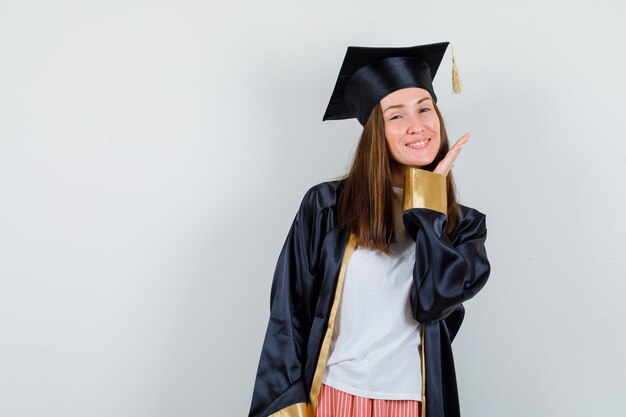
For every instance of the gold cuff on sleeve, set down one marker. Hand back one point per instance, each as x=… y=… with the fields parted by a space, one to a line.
x=425 y=189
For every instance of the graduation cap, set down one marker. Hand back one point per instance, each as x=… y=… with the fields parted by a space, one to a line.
x=368 y=74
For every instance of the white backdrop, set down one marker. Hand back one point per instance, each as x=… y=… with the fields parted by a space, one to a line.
x=153 y=155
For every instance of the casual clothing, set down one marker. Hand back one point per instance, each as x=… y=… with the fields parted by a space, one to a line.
x=375 y=351
x=336 y=403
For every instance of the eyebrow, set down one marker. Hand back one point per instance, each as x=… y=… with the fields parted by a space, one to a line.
x=402 y=105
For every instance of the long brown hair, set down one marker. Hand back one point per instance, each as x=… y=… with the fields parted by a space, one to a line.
x=365 y=204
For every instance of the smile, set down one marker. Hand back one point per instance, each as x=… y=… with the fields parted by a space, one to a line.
x=418 y=145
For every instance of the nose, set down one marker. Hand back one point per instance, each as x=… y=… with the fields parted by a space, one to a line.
x=415 y=125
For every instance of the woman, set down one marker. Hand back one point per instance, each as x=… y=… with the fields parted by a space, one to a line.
x=389 y=244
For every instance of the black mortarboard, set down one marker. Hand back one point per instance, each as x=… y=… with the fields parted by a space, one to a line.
x=368 y=74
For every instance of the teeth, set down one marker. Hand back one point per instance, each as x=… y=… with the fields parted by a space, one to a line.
x=418 y=144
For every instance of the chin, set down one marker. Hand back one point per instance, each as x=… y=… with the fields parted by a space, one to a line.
x=422 y=163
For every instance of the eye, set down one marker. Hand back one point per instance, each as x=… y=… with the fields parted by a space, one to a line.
x=424 y=109
x=394 y=117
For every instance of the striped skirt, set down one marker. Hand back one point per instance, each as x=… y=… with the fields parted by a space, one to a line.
x=335 y=403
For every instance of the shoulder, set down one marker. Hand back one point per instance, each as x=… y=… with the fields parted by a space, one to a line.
x=466 y=212
x=322 y=195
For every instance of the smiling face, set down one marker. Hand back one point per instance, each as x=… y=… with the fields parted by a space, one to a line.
x=412 y=129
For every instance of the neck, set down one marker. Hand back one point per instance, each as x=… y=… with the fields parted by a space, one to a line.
x=397 y=174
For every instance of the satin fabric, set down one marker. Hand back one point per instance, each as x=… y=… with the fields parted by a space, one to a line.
x=368 y=74
x=448 y=270
x=373 y=82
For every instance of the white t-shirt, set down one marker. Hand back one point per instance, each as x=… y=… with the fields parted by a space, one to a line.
x=375 y=349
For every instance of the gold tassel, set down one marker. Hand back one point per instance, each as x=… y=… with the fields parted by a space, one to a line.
x=457 y=86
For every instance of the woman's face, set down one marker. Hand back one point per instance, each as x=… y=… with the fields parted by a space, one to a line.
x=412 y=127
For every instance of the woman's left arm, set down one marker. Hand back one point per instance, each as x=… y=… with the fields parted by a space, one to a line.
x=448 y=270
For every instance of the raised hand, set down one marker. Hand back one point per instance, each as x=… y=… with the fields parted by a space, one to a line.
x=447 y=163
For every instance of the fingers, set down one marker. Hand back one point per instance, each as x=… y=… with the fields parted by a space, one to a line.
x=462 y=141
x=447 y=163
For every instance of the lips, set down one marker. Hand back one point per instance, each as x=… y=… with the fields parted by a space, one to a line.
x=418 y=144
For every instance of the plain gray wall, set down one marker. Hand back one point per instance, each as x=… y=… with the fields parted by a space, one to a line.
x=153 y=155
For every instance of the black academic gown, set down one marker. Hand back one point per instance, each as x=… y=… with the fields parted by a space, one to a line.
x=306 y=290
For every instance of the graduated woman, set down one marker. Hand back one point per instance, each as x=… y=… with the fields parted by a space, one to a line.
x=368 y=289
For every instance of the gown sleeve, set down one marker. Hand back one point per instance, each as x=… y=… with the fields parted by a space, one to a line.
x=279 y=381
x=448 y=269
